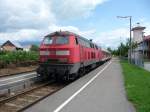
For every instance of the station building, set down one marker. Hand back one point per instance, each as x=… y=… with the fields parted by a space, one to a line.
x=141 y=52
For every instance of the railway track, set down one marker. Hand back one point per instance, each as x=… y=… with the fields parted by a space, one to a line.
x=25 y=99
x=15 y=83
x=15 y=74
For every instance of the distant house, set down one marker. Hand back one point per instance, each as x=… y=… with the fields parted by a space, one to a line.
x=140 y=55
x=146 y=47
x=11 y=46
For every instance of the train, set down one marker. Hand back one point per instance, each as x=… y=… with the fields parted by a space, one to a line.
x=65 y=55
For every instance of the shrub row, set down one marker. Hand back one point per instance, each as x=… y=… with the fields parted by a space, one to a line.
x=17 y=58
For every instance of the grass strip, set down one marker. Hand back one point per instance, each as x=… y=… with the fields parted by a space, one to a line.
x=137 y=84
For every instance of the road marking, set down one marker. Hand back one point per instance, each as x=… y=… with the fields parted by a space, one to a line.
x=81 y=89
x=17 y=76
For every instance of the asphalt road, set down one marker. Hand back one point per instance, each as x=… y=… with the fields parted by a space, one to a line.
x=101 y=90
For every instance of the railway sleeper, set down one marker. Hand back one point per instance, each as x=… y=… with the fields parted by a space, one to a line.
x=26 y=100
x=36 y=96
x=13 y=105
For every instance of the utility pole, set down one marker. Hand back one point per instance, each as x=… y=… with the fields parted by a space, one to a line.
x=120 y=47
x=130 y=43
x=130 y=39
x=143 y=45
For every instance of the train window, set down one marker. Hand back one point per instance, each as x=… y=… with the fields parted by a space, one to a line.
x=91 y=45
x=48 y=40
x=96 y=46
x=87 y=44
x=80 y=41
x=83 y=42
x=88 y=55
x=62 y=40
x=92 y=55
x=76 y=41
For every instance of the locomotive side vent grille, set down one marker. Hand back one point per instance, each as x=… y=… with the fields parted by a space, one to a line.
x=60 y=60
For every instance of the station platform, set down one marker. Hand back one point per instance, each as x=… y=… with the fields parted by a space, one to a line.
x=101 y=90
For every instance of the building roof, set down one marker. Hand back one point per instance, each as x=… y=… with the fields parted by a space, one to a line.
x=147 y=37
x=138 y=28
x=16 y=44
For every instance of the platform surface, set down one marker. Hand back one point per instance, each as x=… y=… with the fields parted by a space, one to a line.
x=101 y=90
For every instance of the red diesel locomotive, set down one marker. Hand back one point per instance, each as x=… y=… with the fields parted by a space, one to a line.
x=66 y=55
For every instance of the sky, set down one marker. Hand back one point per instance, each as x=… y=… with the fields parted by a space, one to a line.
x=31 y=20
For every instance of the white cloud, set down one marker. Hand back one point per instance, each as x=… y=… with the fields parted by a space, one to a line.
x=87 y=33
x=112 y=38
x=147 y=30
x=21 y=35
x=33 y=14
x=19 y=14
x=32 y=19
x=38 y=34
x=75 y=8
x=144 y=22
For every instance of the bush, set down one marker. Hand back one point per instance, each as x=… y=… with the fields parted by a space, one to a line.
x=17 y=57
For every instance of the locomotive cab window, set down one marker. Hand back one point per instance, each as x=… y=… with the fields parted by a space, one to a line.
x=56 y=40
x=62 y=40
x=48 y=40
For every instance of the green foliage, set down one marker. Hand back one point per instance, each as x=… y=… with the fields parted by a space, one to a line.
x=137 y=83
x=34 y=48
x=17 y=57
x=122 y=49
x=109 y=49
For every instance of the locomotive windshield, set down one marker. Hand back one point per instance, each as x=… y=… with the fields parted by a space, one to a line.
x=62 y=40
x=48 y=40
x=56 y=40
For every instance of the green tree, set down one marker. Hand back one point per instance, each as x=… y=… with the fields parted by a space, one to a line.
x=34 y=48
x=122 y=49
x=109 y=49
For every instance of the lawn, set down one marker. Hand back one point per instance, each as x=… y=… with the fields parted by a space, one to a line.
x=137 y=84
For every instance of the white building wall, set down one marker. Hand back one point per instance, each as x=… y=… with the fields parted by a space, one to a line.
x=137 y=36
x=147 y=66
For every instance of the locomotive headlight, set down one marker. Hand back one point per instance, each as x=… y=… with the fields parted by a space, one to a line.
x=44 y=53
x=63 y=52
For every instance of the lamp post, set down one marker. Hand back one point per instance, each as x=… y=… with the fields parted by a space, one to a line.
x=144 y=48
x=130 y=43
x=120 y=47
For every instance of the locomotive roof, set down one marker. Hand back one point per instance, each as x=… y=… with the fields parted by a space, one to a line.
x=63 y=33
x=105 y=50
